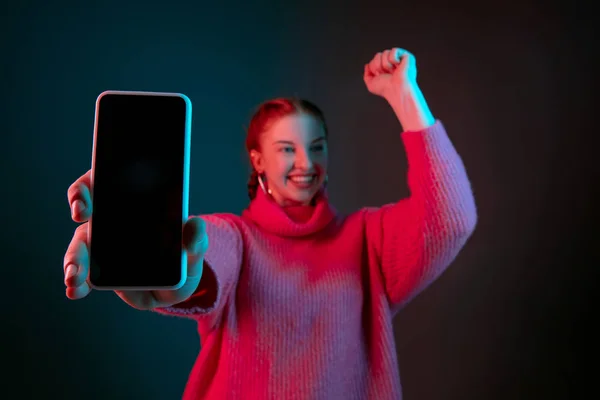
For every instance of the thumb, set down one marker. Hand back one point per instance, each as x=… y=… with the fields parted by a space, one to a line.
x=195 y=241
x=407 y=64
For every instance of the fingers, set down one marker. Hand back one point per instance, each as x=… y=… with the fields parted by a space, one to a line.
x=76 y=268
x=374 y=65
x=80 y=199
x=388 y=60
x=141 y=300
x=76 y=265
x=195 y=241
x=194 y=234
x=367 y=75
x=78 y=292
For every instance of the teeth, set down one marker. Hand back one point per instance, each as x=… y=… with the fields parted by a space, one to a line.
x=302 y=179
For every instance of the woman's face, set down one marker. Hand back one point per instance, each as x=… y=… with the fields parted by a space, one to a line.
x=293 y=158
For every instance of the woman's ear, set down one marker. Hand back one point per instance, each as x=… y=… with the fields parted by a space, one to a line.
x=257 y=161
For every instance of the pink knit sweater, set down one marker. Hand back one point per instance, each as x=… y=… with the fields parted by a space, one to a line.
x=298 y=303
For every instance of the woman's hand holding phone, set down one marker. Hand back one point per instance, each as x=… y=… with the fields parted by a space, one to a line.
x=76 y=260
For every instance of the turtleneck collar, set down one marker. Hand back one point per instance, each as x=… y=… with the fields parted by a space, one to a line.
x=292 y=221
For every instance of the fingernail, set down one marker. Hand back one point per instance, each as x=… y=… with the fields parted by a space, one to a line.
x=70 y=271
x=77 y=206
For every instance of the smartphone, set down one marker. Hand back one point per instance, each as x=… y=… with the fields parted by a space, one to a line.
x=140 y=189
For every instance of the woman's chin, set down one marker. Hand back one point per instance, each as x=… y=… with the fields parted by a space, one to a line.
x=300 y=197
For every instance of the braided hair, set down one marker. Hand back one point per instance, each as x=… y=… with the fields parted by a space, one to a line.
x=253 y=184
x=266 y=114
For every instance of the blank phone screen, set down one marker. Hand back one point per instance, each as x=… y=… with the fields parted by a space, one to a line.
x=138 y=191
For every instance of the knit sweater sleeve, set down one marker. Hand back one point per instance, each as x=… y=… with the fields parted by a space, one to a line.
x=417 y=238
x=222 y=263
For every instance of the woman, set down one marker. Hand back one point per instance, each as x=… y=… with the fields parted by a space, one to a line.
x=292 y=299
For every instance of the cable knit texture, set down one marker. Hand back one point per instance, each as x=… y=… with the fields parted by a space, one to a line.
x=297 y=303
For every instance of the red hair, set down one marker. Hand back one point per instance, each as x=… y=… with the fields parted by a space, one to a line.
x=269 y=112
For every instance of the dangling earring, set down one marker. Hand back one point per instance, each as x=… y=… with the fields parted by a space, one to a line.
x=262 y=185
x=326 y=180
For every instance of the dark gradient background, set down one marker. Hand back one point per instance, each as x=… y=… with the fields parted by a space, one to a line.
x=512 y=82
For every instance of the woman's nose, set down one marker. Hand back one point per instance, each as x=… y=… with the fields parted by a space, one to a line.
x=304 y=161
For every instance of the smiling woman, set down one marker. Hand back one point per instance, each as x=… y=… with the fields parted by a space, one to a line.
x=292 y=298
x=287 y=146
